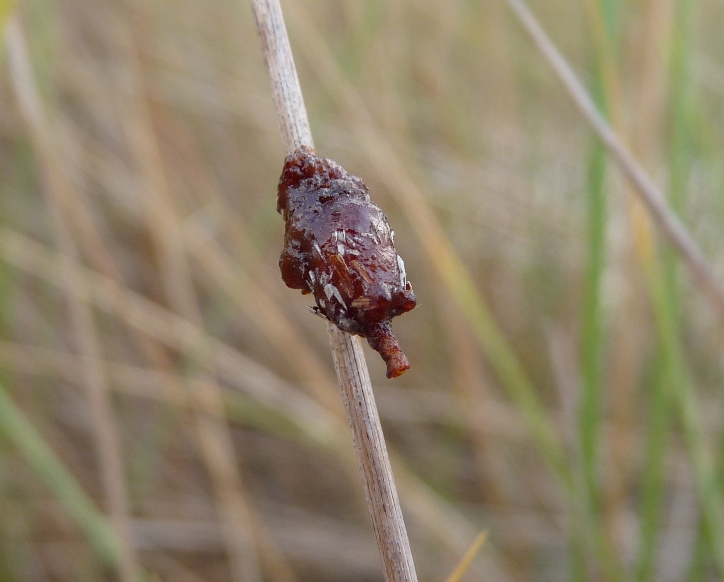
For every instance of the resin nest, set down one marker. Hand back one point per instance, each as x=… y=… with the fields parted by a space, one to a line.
x=339 y=246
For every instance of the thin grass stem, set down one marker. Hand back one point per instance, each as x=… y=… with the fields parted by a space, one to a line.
x=352 y=373
x=668 y=371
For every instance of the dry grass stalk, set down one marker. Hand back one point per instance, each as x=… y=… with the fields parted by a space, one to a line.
x=212 y=433
x=467 y=559
x=90 y=360
x=352 y=373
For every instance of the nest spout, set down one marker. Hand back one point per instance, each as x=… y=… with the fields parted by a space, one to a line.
x=383 y=341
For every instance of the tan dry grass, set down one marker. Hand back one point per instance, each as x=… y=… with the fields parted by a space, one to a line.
x=472 y=150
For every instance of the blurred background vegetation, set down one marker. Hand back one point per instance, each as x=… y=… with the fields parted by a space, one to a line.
x=168 y=407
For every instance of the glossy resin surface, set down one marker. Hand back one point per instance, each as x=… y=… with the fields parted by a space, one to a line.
x=339 y=247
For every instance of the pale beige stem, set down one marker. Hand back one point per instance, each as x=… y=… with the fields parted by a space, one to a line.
x=369 y=444
x=286 y=91
x=352 y=373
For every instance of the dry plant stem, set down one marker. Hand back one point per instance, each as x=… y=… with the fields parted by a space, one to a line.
x=286 y=92
x=369 y=444
x=92 y=370
x=352 y=373
x=650 y=193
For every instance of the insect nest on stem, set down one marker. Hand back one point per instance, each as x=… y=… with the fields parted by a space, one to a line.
x=339 y=246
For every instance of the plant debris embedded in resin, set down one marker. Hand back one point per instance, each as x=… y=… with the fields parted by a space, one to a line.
x=339 y=246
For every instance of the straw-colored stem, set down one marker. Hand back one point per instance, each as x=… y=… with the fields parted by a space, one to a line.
x=286 y=92
x=369 y=444
x=352 y=373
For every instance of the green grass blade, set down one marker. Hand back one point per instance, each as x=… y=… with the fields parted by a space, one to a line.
x=592 y=337
x=591 y=358
x=665 y=369
x=707 y=481
x=41 y=458
x=592 y=406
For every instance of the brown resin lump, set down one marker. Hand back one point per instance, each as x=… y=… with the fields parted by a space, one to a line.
x=339 y=246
